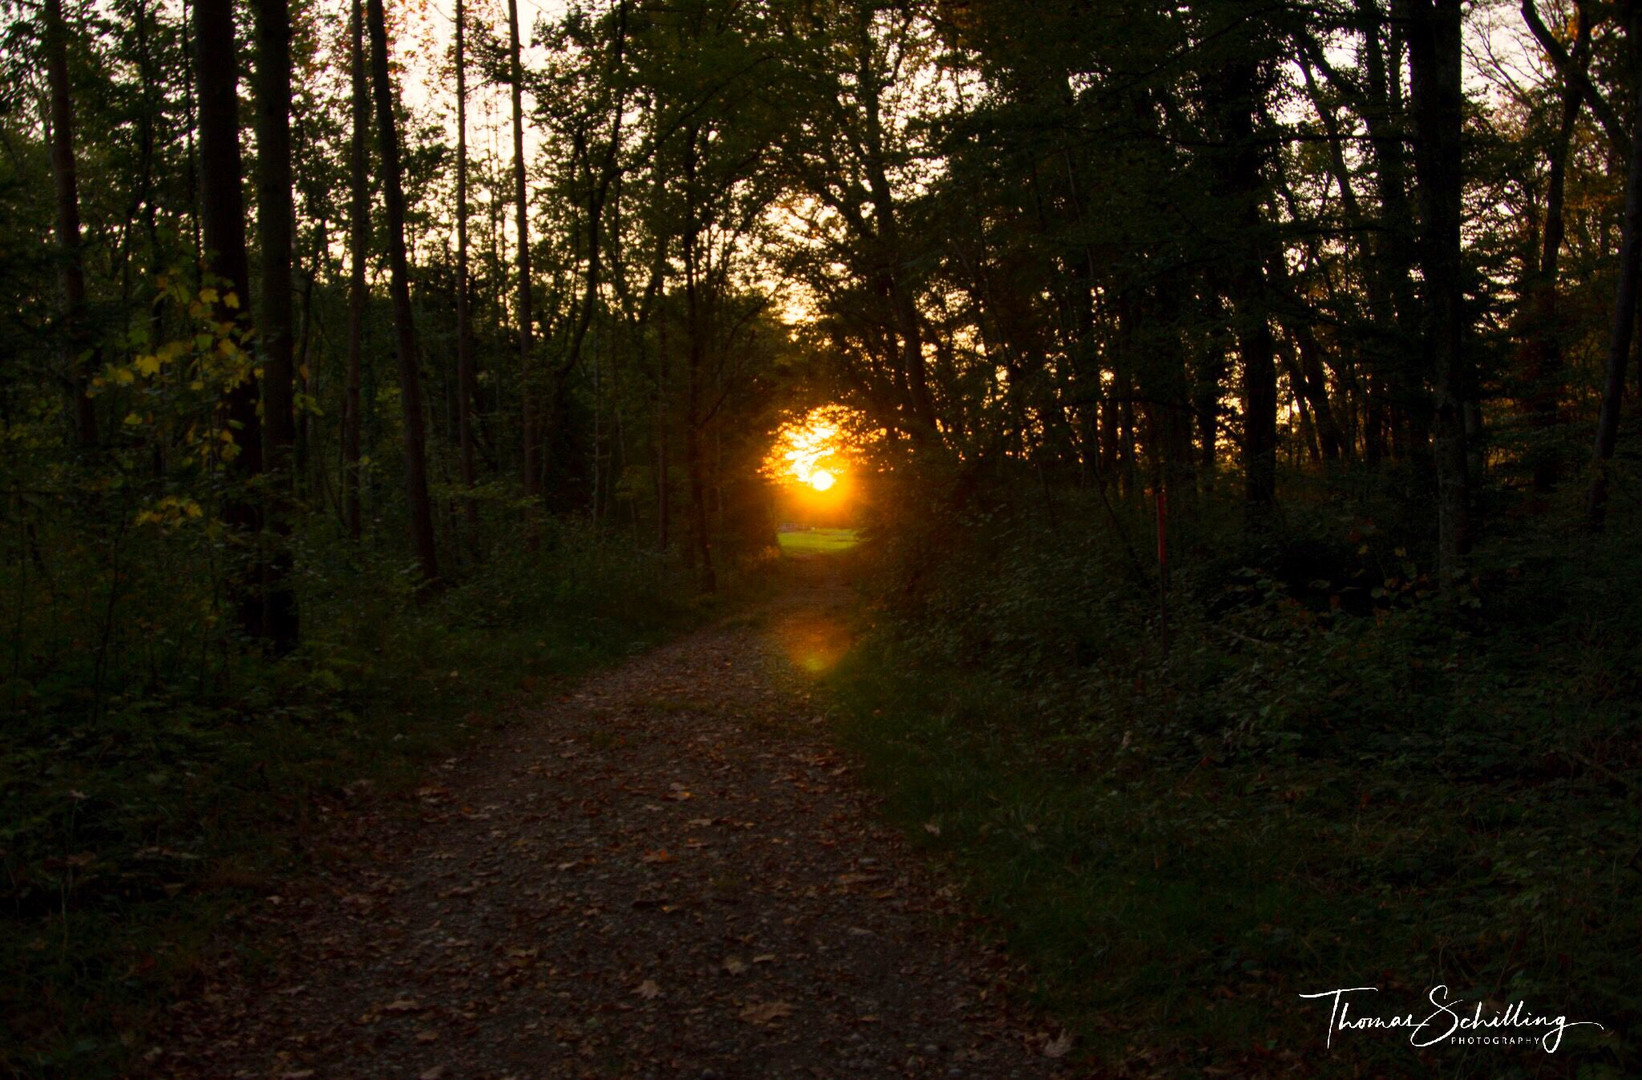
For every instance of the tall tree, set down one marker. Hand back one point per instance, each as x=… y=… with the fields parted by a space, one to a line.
x=1630 y=278
x=276 y=216
x=222 y=232
x=359 y=238
x=1542 y=315
x=1239 y=94
x=466 y=383
x=1435 y=71
x=70 y=270
x=410 y=382
x=527 y=428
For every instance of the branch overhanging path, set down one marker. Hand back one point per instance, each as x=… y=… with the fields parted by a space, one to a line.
x=669 y=871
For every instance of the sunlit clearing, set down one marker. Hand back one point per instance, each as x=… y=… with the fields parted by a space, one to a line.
x=821 y=480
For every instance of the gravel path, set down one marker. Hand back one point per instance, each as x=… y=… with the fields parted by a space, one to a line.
x=668 y=873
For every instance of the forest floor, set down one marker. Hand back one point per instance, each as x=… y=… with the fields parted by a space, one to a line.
x=669 y=871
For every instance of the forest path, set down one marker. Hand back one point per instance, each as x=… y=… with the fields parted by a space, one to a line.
x=668 y=873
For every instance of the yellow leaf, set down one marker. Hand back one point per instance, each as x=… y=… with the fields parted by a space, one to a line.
x=763 y=1013
x=231 y=301
x=208 y=295
x=148 y=365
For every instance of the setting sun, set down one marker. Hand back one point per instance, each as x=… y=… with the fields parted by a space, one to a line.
x=811 y=452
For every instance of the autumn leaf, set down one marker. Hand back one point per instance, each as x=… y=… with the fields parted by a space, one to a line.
x=1058 y=1047
x=764 y=1012
x=648 y=990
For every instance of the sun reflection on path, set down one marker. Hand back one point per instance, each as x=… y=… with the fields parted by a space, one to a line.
x=813 y=641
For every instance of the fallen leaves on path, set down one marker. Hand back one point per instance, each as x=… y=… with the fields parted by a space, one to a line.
x=543 y=908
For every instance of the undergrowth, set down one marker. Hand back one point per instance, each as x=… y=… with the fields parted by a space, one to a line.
x=1332 y=778
x=155 y=779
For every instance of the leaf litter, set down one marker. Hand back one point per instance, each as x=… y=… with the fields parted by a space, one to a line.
x=520 y=912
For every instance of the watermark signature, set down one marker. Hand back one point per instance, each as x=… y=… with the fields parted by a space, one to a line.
x=1453 y=1021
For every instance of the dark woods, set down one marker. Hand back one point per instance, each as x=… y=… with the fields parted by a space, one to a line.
x=338 y=338
x=1233 y=237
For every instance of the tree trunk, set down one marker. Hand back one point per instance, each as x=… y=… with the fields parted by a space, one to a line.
x=359 y=239
x=1543 y=367
x=528 y=439
x=410 y=383
x=1624 y=315
x=1256 y=345
x=1314 y=385
x=1391 y=383
x=466 y=388
x=148 y=114
x=71 y=273
x=695 y=362
x=911 y=374
x=275 y=222
x=663 y=431
x=1259 y=352
x=222 y=231
x=1435 y=77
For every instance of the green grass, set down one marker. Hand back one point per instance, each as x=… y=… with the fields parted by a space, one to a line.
x=817 y=541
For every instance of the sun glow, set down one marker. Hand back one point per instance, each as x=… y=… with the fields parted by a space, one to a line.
x=809 y=452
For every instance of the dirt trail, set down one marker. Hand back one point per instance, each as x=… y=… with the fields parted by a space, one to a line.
x=668 y=873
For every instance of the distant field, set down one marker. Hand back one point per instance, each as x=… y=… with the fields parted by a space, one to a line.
x=817 y=541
